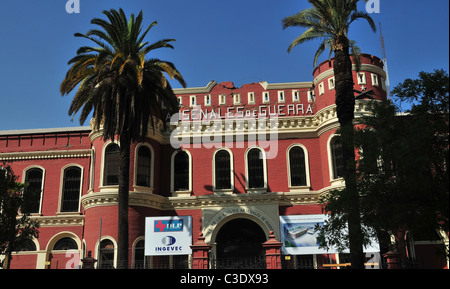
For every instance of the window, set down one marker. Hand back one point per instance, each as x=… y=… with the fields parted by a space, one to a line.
x=310 y=96
x=251 y=97
x=337 y=160
x=297 y=166
x=266 y=97
x=71 y=189
x=66 y=243
x=26 y=245
x=361 y=78
x=139 y=258
x=321 y=88
x=181 y=174
x=222 y=170
x=111 y=165
x=295 y=96
x=383 y=83
x=180 y=100
x=255 y=169
x=193 y=100
x=222 y=99
x=281 y=96
x=34 y=177
x=331 y=83
x=144 y=161
x=207 y=100
x=106 y=260
x=374 y=79
x=236 y=99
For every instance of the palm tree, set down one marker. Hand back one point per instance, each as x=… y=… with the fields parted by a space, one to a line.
x=124 y=90
x=329 y=21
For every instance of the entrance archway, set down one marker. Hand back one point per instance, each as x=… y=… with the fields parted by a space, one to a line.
x=239 y=245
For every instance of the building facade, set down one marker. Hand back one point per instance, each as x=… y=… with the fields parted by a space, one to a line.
x=233 y=160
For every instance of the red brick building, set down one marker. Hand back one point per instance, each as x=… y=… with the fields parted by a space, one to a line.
x=247 y=157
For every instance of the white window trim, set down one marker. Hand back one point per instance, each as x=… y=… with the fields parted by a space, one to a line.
x=206 y=103
x=374 y=78
x=295 y=92
x=333 y=181
x=237 y=99
x=266 y=97
x=288 y=161
x=42 y=184
x=383 y=84
x=251 y=97
x=310 y=95
x=331 y=83
x=172 y=174
x=223 y=191
x=152 y=165
x=192 y=100
x=258 y=190
x=97 y=247
x=103 y=188
x=321 y=88
x=281 y=96
x=61 y=186
x=363 y=79
x=222 y=99
x=180 y=100
x=92 y=170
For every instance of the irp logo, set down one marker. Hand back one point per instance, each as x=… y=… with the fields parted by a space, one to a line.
x=168 y=225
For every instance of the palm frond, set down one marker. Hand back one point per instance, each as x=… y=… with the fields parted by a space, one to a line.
x=122 y=89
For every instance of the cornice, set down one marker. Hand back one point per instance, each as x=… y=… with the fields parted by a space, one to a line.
x=60 y=221
x=93 y=200
x=55 y=154
x=194 y=90
x=364 y=67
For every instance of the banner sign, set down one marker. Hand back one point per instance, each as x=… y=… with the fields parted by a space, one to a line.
x=300 y=238
x=168 y=236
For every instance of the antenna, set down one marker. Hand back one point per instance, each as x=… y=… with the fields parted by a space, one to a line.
x=385 y=67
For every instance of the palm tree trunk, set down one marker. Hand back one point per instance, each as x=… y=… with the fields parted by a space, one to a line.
x=345 y=106
x=124 y=180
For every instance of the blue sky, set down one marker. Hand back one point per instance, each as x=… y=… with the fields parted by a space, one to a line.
x=231 y=40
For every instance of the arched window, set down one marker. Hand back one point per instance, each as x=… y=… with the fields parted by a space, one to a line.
x=111 y=165
x=71 y=189
x=297 y=166
x=65 y=243
x=255 y=169
x=106 y=260
x=222 y=170
x=181 y=172
x=144 y=159
x=139 y=255
x=27 y=245
x=34 y=177
x=337 y=160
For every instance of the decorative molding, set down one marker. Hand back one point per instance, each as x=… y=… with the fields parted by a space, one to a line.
x=364 y=68
x=56 y=154
x=142 y=199
x=60 y=220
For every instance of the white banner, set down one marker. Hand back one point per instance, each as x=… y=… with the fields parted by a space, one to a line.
x=299 y=237
x=168 y=236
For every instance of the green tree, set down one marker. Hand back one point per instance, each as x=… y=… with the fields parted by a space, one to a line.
x=124 y=90
x=403 y=164
x=329 y=21
x=16 y=227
